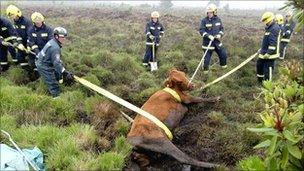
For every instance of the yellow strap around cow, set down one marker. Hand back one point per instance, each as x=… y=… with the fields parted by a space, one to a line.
x=173 y=93
x=230 y=72
x=125 y=104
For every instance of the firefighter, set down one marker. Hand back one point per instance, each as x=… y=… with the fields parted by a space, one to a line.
x=280 y=20
x=22 y=26
x=270 y=49
x=49 y=64
x=7 y=36
x=288 y=28
x=154 y=31
x=38 y=36
x=211 y=28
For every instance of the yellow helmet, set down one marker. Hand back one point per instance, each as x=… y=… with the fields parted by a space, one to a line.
x=37 y=17
x=154 y=14
x=279 y=18
x=211 y=8
x=13 y=10
x=267 y=17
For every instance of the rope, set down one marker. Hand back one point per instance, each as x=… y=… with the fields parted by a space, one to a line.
x=230 y=72
x=200 y=63
x=125 y=104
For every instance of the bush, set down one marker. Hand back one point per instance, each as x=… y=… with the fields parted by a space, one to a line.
x=253 y=163
x=111 y=161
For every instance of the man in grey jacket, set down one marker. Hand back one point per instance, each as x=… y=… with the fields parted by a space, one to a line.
x=50 y=66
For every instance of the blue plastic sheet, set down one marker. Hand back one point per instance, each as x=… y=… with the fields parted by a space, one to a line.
x=11 y=159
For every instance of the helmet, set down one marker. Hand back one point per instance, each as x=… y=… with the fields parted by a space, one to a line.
x=154 y=14
x=211 y=8
x=60 y=31
x=279 y=18
x=13 y=10
x=37 y=17
x=267 y=17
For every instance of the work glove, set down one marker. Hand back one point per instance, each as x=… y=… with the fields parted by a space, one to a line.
x=4 y=43
x=211 y=37
x=21 y=47
x=259 y=51
x=266 y=56
x=218 y=36
x=151 y=37
x=68 y=78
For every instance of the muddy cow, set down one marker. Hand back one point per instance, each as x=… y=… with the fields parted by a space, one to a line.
x=168 y=105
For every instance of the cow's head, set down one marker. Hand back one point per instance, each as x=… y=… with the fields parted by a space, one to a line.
x=178 y=79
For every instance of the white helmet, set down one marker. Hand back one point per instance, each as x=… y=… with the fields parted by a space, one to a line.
x=60 y=31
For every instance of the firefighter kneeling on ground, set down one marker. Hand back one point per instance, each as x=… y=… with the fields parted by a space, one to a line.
x=39 y=35
x=154 y=31
x=50 y=66
x=270 y=49
x=211 y=29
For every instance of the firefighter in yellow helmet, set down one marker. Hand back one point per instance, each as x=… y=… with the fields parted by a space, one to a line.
x=270 y=49
x=154 y=31
x=279 y=19
x=288 y=28
x=22 y=26
x=38 y=36
x=211 y=29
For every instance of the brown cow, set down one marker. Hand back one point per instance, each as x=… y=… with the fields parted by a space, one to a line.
x=168 y=108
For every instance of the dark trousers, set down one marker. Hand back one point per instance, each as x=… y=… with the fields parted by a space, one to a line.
x=50 y=78
x=265 y=68
x=221 y=52
x=149 y=54
x=3 y=56
x=283 y=46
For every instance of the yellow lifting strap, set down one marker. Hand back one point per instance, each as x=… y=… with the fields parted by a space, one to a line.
x=173 y=93
x=125 y=104
x=230 y=72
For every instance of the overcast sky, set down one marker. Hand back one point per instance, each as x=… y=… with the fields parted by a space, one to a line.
x=232 y=4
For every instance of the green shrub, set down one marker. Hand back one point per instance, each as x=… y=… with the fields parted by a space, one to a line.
x=253 y=163
x=122 y=146
x=17 y=76
x=62 y=155
x=111 y=161
x=85 y=136
x=122 y=126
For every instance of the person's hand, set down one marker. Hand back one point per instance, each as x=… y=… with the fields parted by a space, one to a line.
x=68 y=78
x=266 y=56
x=218 y=36
x=151 y=37
x=21 y=47
x=211 y=37
x=4 y=43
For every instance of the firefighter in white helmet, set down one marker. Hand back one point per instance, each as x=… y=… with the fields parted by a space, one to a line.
x=49 y=64
x=211 y=28
x=154 y=31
